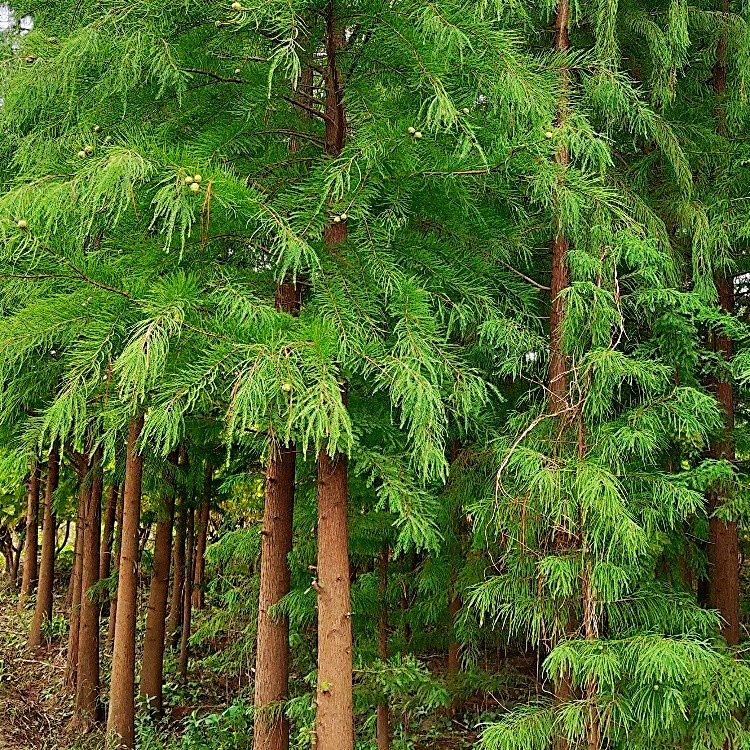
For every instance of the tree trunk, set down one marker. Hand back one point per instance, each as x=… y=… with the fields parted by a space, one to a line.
x=333 y=723
x=272 y=649
x=187 y=595
x=153 y=642
x=178 y=557
x=272 y=652
x=116 y=547
x=201 y=535
x=43 y=610
x=383 y=726
x=105 y=550
x=334 y=727
x=723 y=542
x=74 y=587
x=30 y=567
x=121 y=719
x=87 y=680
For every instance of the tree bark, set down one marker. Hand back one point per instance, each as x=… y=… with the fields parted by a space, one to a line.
x=30 y=567
x=74 y=587
x=43 y=610
x=116 y=547
x=201 y=535
x=383 y=721
x=153 y=643
x=272 y=652
x=87 y=680
x=333 y=723
x=187 y=595
x=723 y=541
x=121 y=719
x=105 y=551
x=454 y=662
x=334 y=727
x=178 y=557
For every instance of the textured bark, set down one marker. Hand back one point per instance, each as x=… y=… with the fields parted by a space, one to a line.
x=334 y=728
x=153 y=641
x=30 y=566
x=178 y=559
x=116 y=546
x=105 y=550
x=723 y=543
x=272 y=653
x=87 y=681
x=121 y=719
x=383 y=721
x=272 y=650
x=333 y=723
x=74 y=587
x=187 y=595
x=43 y=610
x=201 y=534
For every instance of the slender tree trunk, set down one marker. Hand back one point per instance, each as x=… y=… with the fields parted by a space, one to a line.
x=153 y=642
x=187 y=595
x=43 y=611
x=74 y=587
x=272 y=651
x=723 y=542
x=178 y=558
x=87 y=680
x=121 y=719
x=272 y=654
x=30 y=567
x=116 y=547
x=105 y=550
x=201 y=535
x=334 y=727
x=383 y=725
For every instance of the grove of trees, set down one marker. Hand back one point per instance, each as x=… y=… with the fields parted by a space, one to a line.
x=374 y=373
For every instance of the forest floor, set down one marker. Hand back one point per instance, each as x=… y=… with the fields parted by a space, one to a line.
x=36 y=708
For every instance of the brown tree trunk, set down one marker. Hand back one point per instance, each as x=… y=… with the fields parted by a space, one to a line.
x=116 y=547
x=201 y=535
x=30 y=567
x=272 y=652
x=121 y=719
x=105 y=551
x=87 y=680
x=187 y=595
x=334 y=726
x=333 y=723
x=153 y=642
x=383 y=725
x=74 y=587
x=178 y=558
x=723 y=542
x=43 y=610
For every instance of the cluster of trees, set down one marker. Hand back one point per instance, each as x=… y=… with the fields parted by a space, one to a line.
x=462 y=281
